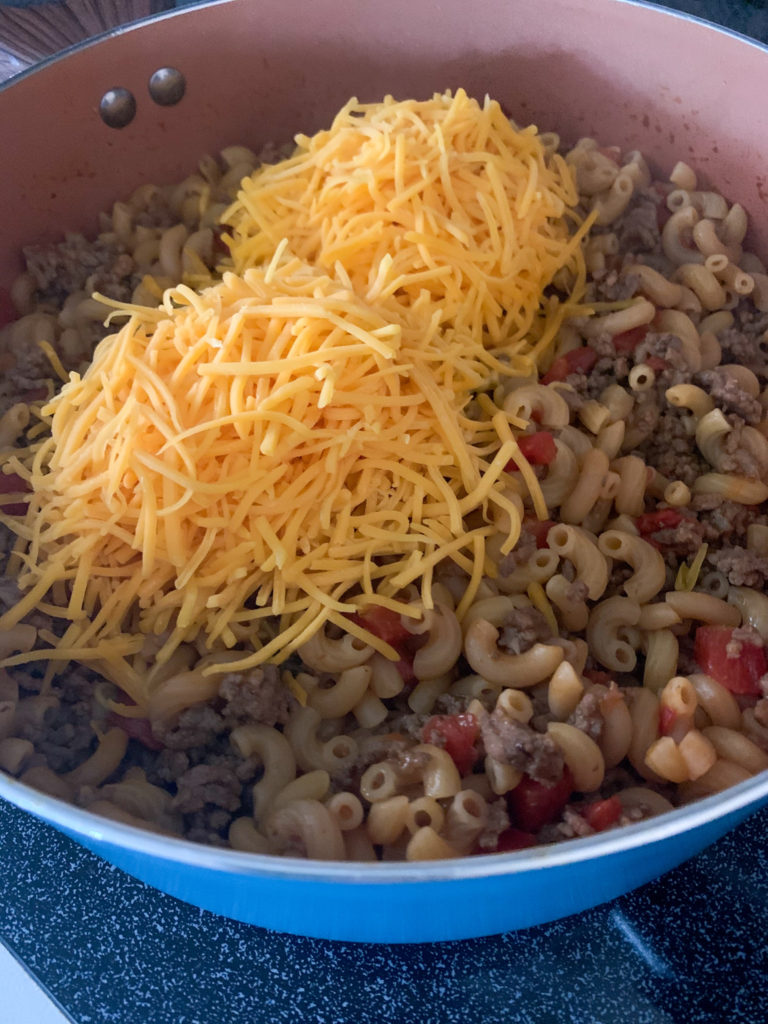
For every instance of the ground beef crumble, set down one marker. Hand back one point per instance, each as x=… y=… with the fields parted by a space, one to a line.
x=255 y=696
x=65 y=736
x=196 y=726
x=77 y=265
x=728 y=394
x=742 y=452
x=725 y=522
x=742 y=567
x=638 y=227
x=496 y=823
x=740 y=636
x=521 y=629
x=207 y=784
x=513 y=743
x=667 y=445
x=587 y=716
x=662 y=345
x=522 y=551
x=607 y=370
x=680 y=541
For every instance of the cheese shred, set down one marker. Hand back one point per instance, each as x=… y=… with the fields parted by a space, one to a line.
x=300 y=439
x=440 y=205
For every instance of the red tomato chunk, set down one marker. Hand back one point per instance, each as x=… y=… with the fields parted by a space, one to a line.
x=597 y=675
x=539 y=449
x=385 y=624
x=663 y=519
x=738 y=665
x=612 y=152
x=12 y=483
x=513 y=839
x=137 y=729
x=388 y=626
x=602 y=814
x=667 y=720
x=656 y=363
x=457 y=734
x=627 y=341
x=533 y=804
x=578 y=360
x=539 y=529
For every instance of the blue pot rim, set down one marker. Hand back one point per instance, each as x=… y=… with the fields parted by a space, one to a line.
x=749 y=794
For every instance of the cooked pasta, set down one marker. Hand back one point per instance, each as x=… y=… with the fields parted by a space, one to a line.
x=420 y=508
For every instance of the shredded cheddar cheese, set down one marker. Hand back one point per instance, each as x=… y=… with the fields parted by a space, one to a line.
x=538 y=598
x=439 y=208
x=300 y=439
x=261 y=447
x=688 y=575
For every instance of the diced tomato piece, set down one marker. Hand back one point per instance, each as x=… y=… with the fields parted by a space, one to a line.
x=602 y=814
x=12 y=483
x=597 y=676
x=627 y=341
x=578 y=360
x=667 y=720
x=557 y=371
x=405 y=668
x=612 y=152
x=662 y=519
x=657 y=364
x=219 y=245
x=137 y=728
x=533 y=804
x=15 y=508
x=740 y=671
x=581 y=360
x=650 y=522
x=388 y=626
x=457 y=734
x=513 y=839
x=34 y=395
x=539 y=449
x=383 y=623
x=540 y=530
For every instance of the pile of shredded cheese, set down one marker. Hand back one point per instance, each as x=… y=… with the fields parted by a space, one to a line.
x=438 y=206
x=299 y=440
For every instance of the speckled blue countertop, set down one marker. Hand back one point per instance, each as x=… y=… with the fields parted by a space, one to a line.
x=690 y=948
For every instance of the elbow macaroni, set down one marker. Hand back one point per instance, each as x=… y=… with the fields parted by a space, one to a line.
x=349 y=774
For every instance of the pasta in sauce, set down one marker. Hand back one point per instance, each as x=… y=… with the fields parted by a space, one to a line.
x=611 y=666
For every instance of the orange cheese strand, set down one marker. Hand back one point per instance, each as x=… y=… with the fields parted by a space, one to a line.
x=299 y=440
x=428 y=208
x=257 y=446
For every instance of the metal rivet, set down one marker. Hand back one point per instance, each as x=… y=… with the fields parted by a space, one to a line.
x=117 y=107
x=167 y=86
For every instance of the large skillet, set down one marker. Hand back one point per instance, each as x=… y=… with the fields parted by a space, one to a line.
x=625 y=72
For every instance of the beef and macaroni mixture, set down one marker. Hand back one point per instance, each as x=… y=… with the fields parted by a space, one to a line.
x=612 y=668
